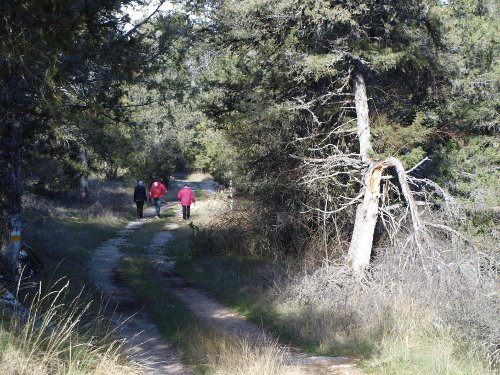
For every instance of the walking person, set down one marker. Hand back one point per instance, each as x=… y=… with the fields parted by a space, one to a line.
x=157 y=191
x=186 y=196
x=140 y=197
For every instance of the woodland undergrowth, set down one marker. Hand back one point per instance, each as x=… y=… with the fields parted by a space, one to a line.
x=56 y=329
x=428 y=310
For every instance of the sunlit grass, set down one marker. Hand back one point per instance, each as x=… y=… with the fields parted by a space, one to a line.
x=205 y=350
x=54 y=335
x=329 y=314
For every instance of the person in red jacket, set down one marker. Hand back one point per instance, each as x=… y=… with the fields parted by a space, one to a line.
x=157 y=191
x=186 y=196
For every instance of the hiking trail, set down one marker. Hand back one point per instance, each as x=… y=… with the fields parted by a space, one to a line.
x=142 y=340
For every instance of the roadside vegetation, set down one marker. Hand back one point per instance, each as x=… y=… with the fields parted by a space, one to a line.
x=53 y=334
x=58 y=326
x=396 y=322
x=204 y=349
x=63 y=232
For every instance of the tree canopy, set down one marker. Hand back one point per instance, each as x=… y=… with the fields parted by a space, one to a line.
x=264 y=89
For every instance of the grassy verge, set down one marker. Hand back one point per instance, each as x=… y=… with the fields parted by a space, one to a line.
x=65 y=245
x=65 y=332
x=235 y=280
x=395 y=328
x=205 y=350
x=63 y=233
x=404 y=341
x=56 y=337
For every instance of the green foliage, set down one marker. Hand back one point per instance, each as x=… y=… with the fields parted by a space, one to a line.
x=277 y=80
x=473 y=63
x=401 y=140
x=469 y=168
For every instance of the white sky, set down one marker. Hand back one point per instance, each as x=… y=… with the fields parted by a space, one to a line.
x=138 y=13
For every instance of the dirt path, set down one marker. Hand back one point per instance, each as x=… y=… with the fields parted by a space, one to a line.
x=215 y=315
x=144 y=343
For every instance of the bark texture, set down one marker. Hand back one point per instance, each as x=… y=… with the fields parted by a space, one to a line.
x=362 y=119
x=84 y=182
x=367 y=212
x=10 y=196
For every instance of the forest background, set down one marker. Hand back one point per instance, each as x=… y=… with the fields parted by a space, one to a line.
x=264 y=93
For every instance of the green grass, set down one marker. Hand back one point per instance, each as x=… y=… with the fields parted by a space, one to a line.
x=241 y=283
x=234 y=280
x=64 y=233
x=168 y=313
x=205 y=350
x=138 y=240
x=402 y=343
x=65 y=247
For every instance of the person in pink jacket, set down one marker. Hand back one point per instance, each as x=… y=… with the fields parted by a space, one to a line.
x=186 y=196
x=157 y=191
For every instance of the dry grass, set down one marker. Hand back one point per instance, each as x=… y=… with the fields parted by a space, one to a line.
x=428 y=311
x=53 y=337
x=443 y=320
x=58 y=334
x=221 y=354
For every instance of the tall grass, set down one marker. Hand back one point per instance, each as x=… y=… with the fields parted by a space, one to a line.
x=220 y=354
x=430 y=313
x=417 y=344
x=401 y=321
x=61 y=332
x=55 y=337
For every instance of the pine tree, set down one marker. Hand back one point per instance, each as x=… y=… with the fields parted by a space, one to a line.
x=55 y=56
x=284 y=83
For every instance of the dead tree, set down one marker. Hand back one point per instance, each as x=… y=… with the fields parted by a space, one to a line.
x=340 y=170
x=367 y=211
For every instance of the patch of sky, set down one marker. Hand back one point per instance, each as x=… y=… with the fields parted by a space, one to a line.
x=139 y=11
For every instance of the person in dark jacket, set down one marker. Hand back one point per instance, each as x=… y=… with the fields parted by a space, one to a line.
x=140 y=197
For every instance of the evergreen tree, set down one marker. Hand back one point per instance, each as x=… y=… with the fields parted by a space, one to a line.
x=62 y=61
x=282 y=87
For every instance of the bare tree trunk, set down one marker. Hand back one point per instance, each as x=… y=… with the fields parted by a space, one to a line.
x=367 y=212
x=366 y=218
x=84 y=182
x=363 y=124
x=10 y=196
